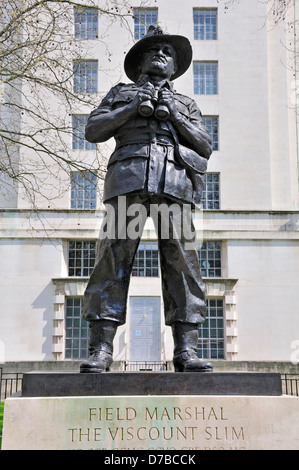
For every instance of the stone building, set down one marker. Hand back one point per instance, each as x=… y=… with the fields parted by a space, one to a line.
x=243 y=77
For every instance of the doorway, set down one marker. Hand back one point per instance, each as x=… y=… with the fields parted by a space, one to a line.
x=145 y=329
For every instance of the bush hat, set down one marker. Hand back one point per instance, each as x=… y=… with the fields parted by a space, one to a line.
x=155 y=34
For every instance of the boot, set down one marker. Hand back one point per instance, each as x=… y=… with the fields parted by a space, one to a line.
x=185 y=359
x=102 y=334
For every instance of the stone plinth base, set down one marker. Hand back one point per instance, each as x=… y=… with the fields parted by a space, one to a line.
x=150 y=383
x=152 y=423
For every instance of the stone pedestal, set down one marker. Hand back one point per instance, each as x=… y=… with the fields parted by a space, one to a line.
x=152 y=423
x=150 y=383
x=132 y=420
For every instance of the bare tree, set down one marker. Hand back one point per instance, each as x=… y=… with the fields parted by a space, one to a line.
x=276 y=9
x=38 y=57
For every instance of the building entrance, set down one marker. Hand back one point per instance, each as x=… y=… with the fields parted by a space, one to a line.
x=145 y=329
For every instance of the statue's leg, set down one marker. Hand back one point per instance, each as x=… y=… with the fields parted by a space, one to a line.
x=185 y=359
x=102 y=334
x=183 y=290
x=105 y=297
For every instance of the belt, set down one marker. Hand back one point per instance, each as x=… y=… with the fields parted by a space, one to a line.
x=145 y=139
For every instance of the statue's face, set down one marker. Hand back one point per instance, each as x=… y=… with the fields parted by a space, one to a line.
x=159 y=60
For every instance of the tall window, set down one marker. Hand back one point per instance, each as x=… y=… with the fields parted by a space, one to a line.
x=210 y=258
x=81 y=256
x=85 y=76
x=211 y=192
x=205 y=24
x=211 y=332
x=76 y=330
x=86 y=23
x=146 y=263
x=205 y=78
x=79 y=142
x=212 y=125
x=83 y=190
x=143 y=18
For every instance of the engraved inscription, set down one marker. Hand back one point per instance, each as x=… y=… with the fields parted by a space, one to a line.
x=156 y=427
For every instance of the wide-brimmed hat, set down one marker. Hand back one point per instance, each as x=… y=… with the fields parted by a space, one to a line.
x=181 y=45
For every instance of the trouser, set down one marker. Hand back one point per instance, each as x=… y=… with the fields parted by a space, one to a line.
x=106 y=294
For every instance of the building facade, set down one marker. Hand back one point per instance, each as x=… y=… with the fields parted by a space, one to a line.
x=243 y=77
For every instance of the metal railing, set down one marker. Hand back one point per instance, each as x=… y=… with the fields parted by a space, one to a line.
x=290 y=384
x=145 y=366
x=10 y=383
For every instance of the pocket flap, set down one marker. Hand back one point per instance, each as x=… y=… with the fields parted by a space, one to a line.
x=192 y=160
x=129 y=151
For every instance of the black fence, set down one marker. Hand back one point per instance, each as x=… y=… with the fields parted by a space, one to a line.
x=290 y=384
x=145 y=366
x=10 y=383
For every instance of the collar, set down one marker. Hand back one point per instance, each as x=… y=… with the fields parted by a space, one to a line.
x=143 y=78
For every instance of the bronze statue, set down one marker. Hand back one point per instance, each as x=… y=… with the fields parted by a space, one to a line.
x=161 y=154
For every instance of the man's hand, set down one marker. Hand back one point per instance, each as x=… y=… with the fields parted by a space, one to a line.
x=167 y=99
x=146 y=92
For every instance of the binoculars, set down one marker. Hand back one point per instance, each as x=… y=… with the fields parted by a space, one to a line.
x=148 y=107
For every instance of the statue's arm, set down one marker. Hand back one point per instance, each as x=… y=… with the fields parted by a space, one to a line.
x=104 y=122
x=192 y=131
x=189 y=126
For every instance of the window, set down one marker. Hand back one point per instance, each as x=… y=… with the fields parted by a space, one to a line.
x=212 y=125
x=86 y=23
x=205 y=78
x=211 y=332
x=205 y=24
x=81 y=256
x=211 y=192
x=83 y=190
x=76 y=330
x=143 y=18
x=146 y=263
x=85 y=76
x=79 y=142
x=210 y=259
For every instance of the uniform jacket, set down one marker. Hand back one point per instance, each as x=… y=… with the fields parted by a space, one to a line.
x=128 y=165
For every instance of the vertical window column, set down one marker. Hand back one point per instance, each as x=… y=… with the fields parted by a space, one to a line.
x=205 y=24
x=85 y=76
x=86 y=23
x=79 y=142
x=146 y=262
x=81 y=256
x=143 y=18
x=212 y=125
x=205 y=78
x=211 y=192
x=211 y=332
x=83 y=190
x=210 y=258
x=76 y=330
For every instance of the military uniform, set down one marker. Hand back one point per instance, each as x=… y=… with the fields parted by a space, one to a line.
x=156 y=162
x=144 y=167
x=137 y=165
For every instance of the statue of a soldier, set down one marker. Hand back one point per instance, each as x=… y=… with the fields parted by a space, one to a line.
x=161 y=154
